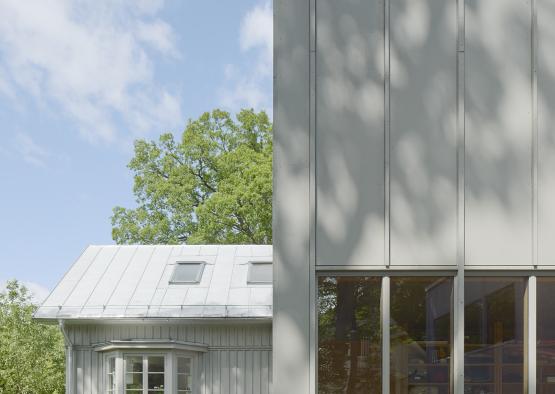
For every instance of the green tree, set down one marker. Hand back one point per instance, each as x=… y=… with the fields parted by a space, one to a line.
x=31 y=354
x=212 y=186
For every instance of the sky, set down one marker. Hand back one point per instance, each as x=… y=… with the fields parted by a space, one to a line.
x=80 y=80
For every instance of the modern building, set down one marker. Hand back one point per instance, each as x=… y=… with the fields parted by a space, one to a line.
x=414 y=196
x=166 y=319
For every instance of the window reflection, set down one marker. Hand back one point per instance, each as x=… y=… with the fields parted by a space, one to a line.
x=420 y=335
x=349 y=335
x=494 y=327
x=546 y=336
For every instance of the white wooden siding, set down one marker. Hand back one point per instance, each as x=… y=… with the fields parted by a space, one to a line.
x=239 y=357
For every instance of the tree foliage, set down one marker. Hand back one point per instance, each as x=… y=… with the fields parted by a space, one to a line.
x=214 y=185
x=31 y=354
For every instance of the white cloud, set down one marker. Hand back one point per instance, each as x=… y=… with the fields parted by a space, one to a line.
x=251 y=86
x=38 y=291
x=257 y=33
x=30 y=151
x=91 y=60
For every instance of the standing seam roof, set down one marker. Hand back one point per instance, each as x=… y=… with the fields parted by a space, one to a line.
x=108 y=282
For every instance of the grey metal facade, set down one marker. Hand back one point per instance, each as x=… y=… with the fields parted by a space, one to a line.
x=410 y=135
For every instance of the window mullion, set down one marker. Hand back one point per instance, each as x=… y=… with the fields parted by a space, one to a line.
x=530 y=341
x=145 y=374
x=457 y=365
x=386 y=343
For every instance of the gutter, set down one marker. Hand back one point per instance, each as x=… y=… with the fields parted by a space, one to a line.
x=69 y=358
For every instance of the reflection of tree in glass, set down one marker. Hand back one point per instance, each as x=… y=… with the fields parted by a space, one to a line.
x=349 y=353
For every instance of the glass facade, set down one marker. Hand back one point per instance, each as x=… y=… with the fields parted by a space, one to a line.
x=420 y=318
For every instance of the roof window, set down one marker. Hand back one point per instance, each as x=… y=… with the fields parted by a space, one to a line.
x=187 y=272
x=259 y=272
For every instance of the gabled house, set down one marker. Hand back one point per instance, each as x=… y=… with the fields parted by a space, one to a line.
x=166 y=319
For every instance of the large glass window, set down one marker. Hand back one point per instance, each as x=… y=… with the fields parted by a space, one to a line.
x=349 y=335
x=420 y=313
x=494 y=327
x=546 y=335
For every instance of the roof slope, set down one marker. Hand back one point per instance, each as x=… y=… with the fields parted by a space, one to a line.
x=109 y=282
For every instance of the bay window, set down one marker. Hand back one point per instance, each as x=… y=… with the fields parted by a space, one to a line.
x=149 y=372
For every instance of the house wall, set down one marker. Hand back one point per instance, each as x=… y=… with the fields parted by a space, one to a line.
x=239 y=357
x=409 y=134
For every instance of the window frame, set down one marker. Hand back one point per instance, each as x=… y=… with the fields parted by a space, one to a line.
x=201 y=264
x=190 y=357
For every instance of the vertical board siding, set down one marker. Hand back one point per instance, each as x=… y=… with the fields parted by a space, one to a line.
x=349 y=132
x=239 y=363
x=423 y=149
x=546 y=131
x=498 y=189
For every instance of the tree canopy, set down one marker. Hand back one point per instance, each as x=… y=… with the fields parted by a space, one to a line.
x=214 y=185
x=31 y=354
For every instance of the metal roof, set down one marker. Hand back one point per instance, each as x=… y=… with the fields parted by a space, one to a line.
x=111 y=282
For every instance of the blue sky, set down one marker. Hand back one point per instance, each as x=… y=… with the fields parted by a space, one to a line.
x=79 y=81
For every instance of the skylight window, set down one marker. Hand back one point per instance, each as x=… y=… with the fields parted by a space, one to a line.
x=187 y=272
x=260 y=272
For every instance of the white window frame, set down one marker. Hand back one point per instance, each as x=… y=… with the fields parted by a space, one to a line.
x=191 y=358
x=170 y=369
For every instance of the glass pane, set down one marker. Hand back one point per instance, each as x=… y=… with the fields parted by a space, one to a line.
x=349 y=335
x=421 y=309
x=546 y=336
x=155 y=364
x=155 y=381
x=260 y=272
x=184 y=382
x=133 y=380
x=494 y=327
x=183 y=365
x=134 y=364
x=187 y=272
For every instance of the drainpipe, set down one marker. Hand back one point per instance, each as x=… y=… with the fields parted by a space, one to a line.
x=69 y=358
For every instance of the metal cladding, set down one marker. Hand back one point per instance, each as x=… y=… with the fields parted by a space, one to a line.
x=112 y=282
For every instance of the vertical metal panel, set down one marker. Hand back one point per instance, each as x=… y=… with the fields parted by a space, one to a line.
x=546 y=130
x=423 y=106
x=241 y=372
x=79 y=373
x=498 y=132
x=291 y=219
x=349 y=132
